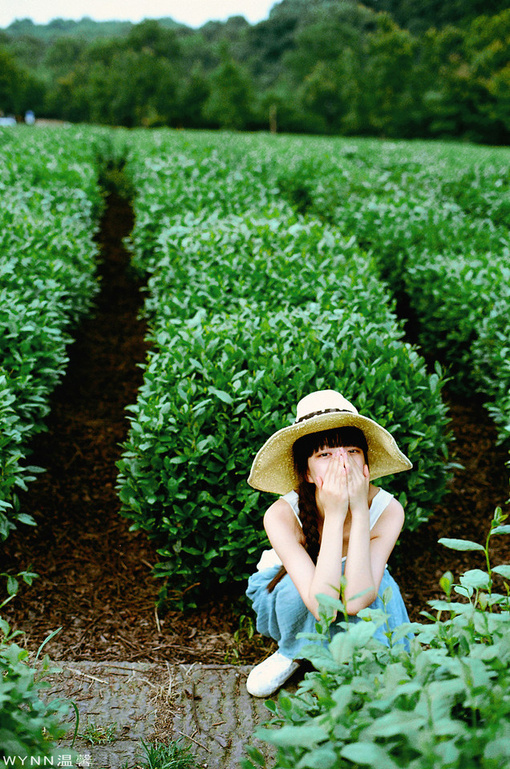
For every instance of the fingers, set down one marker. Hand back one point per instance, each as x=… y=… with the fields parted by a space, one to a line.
x=336 y=472
x=357 y=481
x=332 y=493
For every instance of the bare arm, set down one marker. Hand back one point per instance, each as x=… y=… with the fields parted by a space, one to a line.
x=286 y=537
x=367 y=555
x=367 y=551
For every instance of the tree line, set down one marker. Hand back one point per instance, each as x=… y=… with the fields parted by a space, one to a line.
x=389 y=68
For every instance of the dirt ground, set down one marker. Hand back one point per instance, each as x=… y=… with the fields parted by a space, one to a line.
x=95 y=575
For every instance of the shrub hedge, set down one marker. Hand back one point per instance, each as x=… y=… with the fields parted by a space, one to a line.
x=248 y=313
x=491 y=358
x=217 y=387
x=28 y=724
x=435 y=217
x=49 y=202
x=452 y=295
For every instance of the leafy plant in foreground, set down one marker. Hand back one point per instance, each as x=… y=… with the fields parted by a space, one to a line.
x=444 y=703
x=28 y=724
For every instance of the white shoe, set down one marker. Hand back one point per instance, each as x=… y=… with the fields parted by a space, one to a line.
x=267 y=677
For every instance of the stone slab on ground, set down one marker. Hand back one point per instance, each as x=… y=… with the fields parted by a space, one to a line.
x=205 y=706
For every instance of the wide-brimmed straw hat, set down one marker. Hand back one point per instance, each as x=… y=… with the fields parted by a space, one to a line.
x=273 y=467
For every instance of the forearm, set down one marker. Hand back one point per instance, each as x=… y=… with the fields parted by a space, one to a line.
x=358 y=567
x=328 y=569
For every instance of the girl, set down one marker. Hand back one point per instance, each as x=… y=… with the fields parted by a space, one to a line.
x=330 y=520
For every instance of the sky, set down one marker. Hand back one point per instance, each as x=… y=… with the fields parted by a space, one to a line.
x=193 y=13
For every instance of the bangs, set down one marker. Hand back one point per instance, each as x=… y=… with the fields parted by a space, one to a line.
x=307 y=445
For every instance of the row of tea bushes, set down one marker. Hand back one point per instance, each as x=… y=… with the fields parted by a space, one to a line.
x=463 y=305
x=183 y=177
x=221 y=266
x=248 y=313
x=49 y=203
x=436 y=219
x=491 y=358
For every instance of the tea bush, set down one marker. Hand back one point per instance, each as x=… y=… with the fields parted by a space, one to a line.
x=435 y=217
x=459 y=293
x=222 y=266
x=218 y=387
x=444 y=703
x=29 y=725
x=491 y=356
x=464 y=315
x=183 y=177
x=49 y=202
x=249 y=310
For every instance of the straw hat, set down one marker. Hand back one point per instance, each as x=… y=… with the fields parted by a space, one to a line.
x=273 y=467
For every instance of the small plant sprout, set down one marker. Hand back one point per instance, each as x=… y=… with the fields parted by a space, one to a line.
x=476 y=584
x=99 y=734
x=173 y=755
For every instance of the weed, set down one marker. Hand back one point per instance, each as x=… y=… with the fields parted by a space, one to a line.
x=98 y=734
x=246 y=640
x=172 y=756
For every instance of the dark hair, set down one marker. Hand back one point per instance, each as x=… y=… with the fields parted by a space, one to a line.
x=302 y=450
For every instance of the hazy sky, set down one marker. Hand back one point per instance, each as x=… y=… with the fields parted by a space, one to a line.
x=194 y=13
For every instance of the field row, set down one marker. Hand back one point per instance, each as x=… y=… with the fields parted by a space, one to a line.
x=252 y=305
x=274 y=267
x=436 y=219
x=49 y=204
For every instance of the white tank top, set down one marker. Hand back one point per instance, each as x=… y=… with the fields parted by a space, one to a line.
x=379 y=504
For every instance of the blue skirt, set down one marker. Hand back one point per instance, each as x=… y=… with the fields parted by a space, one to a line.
x=281 y=614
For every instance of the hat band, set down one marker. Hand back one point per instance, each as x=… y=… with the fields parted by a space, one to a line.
x=323 y=411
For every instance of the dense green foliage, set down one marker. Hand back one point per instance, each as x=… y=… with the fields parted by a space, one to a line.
x=444 y=703
x=274 y=266
x=28 y=724
x=386 y=68
x=436 y=222
x=49 y=202
x=436 y=13
x=251 y=305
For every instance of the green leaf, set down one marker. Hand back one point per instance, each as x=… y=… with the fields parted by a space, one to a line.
x=460 y=544
x=28 y=576
x=291 y=736
x=255 y=755
x=503 y=569
x=319 y=758
x=368 y=754
x=475 y=578
x=501 y=529
x=396 y=722
x=25 y=518
x=222 y=395
x=498 y=749
x=454 y=606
